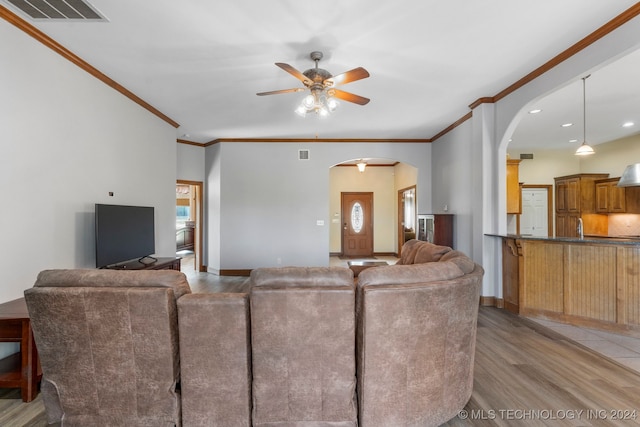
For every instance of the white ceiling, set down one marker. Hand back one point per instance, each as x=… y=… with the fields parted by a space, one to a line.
x=201 y=63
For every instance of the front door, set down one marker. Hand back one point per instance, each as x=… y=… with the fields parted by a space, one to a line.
x=357 y=224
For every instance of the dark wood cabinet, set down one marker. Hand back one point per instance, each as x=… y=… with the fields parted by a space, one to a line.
x=443 y=229
x=567 y=225
x=22 y=369
x=511 y=256
x=185 y=238
x=609 y=197
x=576 y=196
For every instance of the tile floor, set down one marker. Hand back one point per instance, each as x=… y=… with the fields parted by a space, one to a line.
x=624 y=349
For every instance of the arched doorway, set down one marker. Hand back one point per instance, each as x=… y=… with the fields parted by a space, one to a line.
x=382 y=178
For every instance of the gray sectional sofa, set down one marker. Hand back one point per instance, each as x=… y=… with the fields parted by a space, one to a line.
x=307 y=346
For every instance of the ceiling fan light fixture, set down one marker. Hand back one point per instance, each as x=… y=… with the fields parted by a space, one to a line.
x=323 y=97
x=301 y=111
x=322 y=111
x=308 y=101
x=332 y=104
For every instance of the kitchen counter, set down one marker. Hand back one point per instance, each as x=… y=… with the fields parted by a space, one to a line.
x=614 y=240
x=592 y=282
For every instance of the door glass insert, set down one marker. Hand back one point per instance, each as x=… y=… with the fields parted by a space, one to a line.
x=356 y=217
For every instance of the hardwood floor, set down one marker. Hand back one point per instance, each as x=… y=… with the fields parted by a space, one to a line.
x=525 y=375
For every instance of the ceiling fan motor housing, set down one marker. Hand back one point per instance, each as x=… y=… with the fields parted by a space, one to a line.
x=317 y=76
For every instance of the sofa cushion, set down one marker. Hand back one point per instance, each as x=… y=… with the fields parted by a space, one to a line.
x=418 y=252
x=115 y=279
x=301 y=276
x=403 y=274
x=215 y=359
x=408 y=252
x=303 y=347
x=428 y=252
x=109 y=355
x=463 y=262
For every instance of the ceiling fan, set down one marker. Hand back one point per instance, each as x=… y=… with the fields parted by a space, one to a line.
x=321 y=84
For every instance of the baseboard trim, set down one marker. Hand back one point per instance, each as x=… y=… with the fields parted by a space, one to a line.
x=492 y=302
x=234 y=273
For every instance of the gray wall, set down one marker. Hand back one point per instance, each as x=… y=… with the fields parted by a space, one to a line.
x=269 y=202
x=67 y=141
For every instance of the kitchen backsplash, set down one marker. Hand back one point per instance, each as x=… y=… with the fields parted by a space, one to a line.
x=624 y=225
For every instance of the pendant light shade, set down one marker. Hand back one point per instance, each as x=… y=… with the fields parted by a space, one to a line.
x=361 y=165
x=584 y=149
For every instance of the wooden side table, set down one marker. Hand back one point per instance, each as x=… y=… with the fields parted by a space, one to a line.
x=20 y=370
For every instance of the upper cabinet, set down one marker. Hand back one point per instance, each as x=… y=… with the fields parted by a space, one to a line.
x=609 y=197
x=514 y=202
x=576 y=193
x=613 y=199
x=575 y=196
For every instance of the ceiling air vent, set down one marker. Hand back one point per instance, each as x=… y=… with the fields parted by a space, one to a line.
x=528 y=156
x=303 y=154
x=58 y=10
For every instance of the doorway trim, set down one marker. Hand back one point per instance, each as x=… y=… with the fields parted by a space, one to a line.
x=198 y=249
x=401 y=214
x=549 y=189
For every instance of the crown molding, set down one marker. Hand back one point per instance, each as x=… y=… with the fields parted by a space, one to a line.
x=601 y=32
x=23 y=25
x=607 y=28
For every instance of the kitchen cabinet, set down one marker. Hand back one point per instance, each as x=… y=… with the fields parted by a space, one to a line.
x=590 y=283
x=609 y=197
x=567 y=225
x=613 y=199
x=514 y=202
x=511 y=258
x=575 y=197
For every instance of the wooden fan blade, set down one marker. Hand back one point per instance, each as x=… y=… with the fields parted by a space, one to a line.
x=350 y=97
x=275 y=92
x=295 y=73
x=349 y=76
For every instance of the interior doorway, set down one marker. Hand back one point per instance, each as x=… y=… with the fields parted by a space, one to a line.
x=536 y=218
x=189 y=223
x=357 y=224
x=407 y=212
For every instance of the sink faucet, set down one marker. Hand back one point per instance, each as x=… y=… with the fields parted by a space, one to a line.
x=580 y=229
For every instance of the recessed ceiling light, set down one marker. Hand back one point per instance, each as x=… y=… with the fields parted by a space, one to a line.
x=566 y=125
x=628 y=124
x=573 y=140
x=536 y=111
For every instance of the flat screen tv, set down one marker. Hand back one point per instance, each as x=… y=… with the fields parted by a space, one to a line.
x=123 y=233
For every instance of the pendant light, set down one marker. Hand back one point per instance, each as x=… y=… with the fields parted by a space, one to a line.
x=584 y=149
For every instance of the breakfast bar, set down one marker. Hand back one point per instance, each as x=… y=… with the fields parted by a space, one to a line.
x=593 y=281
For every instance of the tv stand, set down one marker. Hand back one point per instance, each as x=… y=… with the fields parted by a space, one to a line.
x=168 y=263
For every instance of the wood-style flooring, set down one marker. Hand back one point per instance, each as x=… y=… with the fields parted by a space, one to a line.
x=525 y=375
